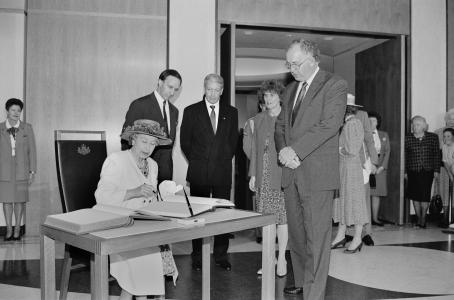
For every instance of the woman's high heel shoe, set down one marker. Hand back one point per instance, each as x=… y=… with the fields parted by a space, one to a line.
x=357 y=249
x=340 y=244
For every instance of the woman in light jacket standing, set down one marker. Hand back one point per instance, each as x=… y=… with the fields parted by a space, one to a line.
x=264 y=170
x=17 y=166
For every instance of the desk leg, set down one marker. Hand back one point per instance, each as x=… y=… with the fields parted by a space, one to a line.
x=48 y=291
x=268 y=255
x=206 y=269
x=99 y=279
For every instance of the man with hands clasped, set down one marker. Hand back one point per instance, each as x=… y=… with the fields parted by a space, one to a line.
x=307 y=140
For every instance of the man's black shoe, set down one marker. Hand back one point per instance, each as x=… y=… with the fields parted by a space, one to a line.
x=367 y=239
x=197 y=265
x=224 y=264
x=292 y=290
x=349 y=238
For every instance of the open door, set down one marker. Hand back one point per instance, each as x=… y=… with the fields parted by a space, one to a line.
x=380 y=87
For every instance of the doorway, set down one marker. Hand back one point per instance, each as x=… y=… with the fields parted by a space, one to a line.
x=258 y=53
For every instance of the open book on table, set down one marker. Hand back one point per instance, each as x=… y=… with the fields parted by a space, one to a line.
x=100 y=217
x=176 y=206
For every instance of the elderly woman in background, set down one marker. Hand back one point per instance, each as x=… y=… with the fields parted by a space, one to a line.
x=264 y=170
x=443 y=180
x=129 y=179
x=422 y=165
x=17 y=166
x=351 y=208
x=379 y=187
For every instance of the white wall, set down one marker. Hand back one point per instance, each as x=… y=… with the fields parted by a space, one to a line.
x=192 y=51
x=11 y=57
x=428 y=60
x=12 y=41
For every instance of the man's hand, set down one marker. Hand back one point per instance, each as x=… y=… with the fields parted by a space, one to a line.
x=287 y=155
x=294 y=163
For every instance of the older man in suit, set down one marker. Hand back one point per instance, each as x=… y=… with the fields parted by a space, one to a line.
x=209 y=136
x=157 y=106
x=308 y=144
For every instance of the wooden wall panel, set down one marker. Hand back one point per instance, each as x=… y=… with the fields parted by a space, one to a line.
x=380 y=16
x=450 y=53
x=82 y=73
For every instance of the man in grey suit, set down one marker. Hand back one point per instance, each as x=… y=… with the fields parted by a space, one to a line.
x=307 y=141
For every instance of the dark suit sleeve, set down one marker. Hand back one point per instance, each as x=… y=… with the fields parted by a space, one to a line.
x=329 y=124
x=187 y=126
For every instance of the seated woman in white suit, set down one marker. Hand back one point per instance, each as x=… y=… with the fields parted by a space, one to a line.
x=129 y=179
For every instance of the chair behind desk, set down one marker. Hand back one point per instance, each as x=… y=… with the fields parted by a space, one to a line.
x=79 y=161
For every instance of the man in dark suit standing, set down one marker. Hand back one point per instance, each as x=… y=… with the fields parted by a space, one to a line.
x=157 y=106
x=208 y=137
x=308 y=144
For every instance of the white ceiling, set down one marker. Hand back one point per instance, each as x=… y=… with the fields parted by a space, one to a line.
x=330 y=45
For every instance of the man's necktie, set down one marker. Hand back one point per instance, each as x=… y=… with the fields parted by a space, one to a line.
x=297 y=105
x=213 y=118
x=166 y=126
x=12 y=131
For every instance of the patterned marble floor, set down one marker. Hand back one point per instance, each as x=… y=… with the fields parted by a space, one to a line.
x=405 y=263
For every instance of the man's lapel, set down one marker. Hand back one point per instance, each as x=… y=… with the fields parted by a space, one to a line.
x=205 y=119
x=314 y=88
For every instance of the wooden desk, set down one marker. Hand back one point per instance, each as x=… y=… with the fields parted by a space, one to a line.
x=153 y=233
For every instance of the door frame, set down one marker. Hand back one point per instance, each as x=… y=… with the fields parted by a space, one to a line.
x=405 y=99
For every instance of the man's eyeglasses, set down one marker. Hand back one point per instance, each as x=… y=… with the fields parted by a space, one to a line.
x=292 y=66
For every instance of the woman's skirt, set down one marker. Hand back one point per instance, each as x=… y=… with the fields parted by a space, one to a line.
x=420 y=185
x=13 y=191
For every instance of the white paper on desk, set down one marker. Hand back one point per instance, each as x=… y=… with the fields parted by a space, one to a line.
x=213 y=202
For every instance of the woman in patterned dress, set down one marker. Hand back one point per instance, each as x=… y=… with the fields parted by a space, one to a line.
x=264 y=169
x=129 y=179
x=351 y=207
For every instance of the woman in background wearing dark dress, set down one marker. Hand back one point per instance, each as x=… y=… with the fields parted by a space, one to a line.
x=381 y=142
x=264 y=169
x=17 y=166
x=422 y=165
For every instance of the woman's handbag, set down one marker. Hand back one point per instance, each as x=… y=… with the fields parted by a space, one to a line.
x=436 y=205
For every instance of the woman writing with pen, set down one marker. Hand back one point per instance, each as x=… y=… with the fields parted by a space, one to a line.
x=129 y=179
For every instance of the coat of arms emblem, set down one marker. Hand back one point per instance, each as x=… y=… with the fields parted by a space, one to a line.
x=83 y=149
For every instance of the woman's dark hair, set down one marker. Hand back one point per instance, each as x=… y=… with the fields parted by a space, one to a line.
x=351 y=110
x=14 y=101
x=270 y=86
x=376 y=115
x=170 y=72
x=451 y=130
